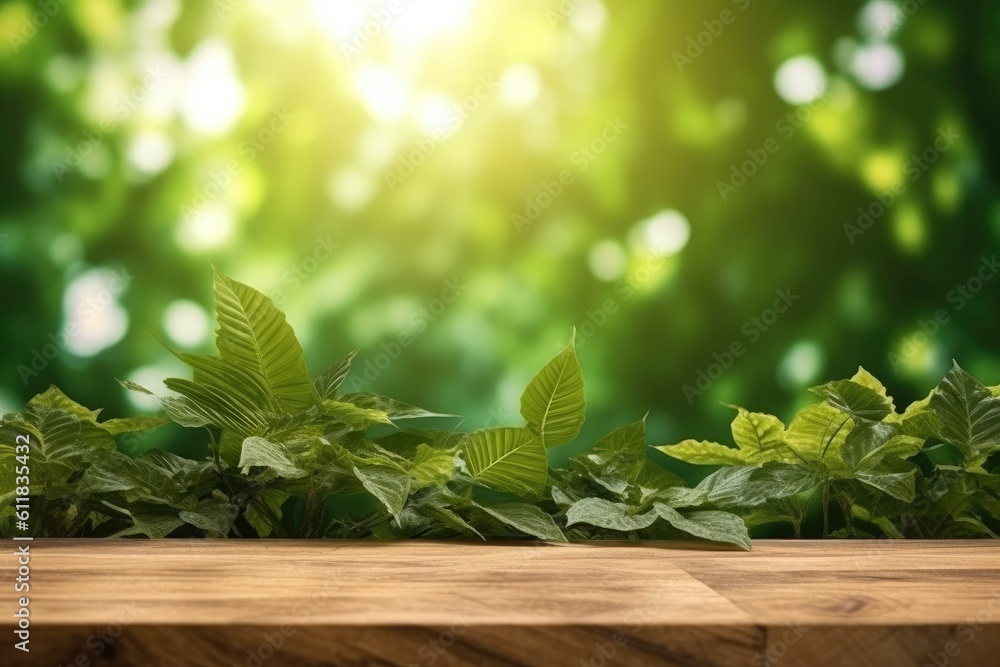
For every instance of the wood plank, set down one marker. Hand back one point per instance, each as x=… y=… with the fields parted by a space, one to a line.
x=196 y=602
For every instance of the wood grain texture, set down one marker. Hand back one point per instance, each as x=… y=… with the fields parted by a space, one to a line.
x=277 y=602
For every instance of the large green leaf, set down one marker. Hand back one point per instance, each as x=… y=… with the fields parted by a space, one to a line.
x=527 y=519
x=818 y=430
x=262 y=453
x=708 y=525
x=508 y=459
x=702 y=452
x=554 y=404
x=254 y=334
x=387 y=483
x=968 y=412
x=855 y=399
x=760 y=437
x=606 y=514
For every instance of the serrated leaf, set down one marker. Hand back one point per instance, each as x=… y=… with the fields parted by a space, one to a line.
x=329 y=382
x=254 y=334
x=527 y=519
x=554 y=404
x=508 y=459
x=854 y=399
x=899 y=485
x=275 y=456
x=702 y=452
x=866 y=379
x=709 y=525
x=214 y=514
x=391 y=407
x=53 y=397
x=621 y=454
x=606 y=514
x=132 y=424
x=390 y=485
x=153 y=522
x=760 y=437
x=968 y=412
x=818 y=430
x=431 y=467
x=355 y=417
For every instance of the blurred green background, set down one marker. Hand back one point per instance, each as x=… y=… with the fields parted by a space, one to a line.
x=454 y=185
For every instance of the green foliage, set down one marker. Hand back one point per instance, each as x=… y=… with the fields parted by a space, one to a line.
x=926 y=472
x=288 y=456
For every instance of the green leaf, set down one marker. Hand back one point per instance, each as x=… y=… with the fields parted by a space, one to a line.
x=866 y=379
x=254 y=334
x=329 y=382
x=132 y=424
x=391 y=407
x=918 y=420
x=606 y=514
x=969 y=414
x=431 y=467
x=708 y=525
x=387 y=483
x=355 y=417
x=154 y=522
x=760 y=437
x=527 y=519
x=508 y=459
x=702 y=452
x=622 y=454
x=213 y=514
x=264 y=512
x=554 y=404
x=817 y=430
x=899 y=485
x=856 y=400
x=262 y=453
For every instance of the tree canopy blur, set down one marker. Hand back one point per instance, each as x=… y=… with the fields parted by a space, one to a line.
x=729 y=201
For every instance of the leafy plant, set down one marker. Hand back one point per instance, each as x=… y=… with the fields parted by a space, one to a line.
x=287 y=455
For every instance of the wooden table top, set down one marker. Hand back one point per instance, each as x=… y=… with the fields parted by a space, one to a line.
x=284 y=603
x=300 y=582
